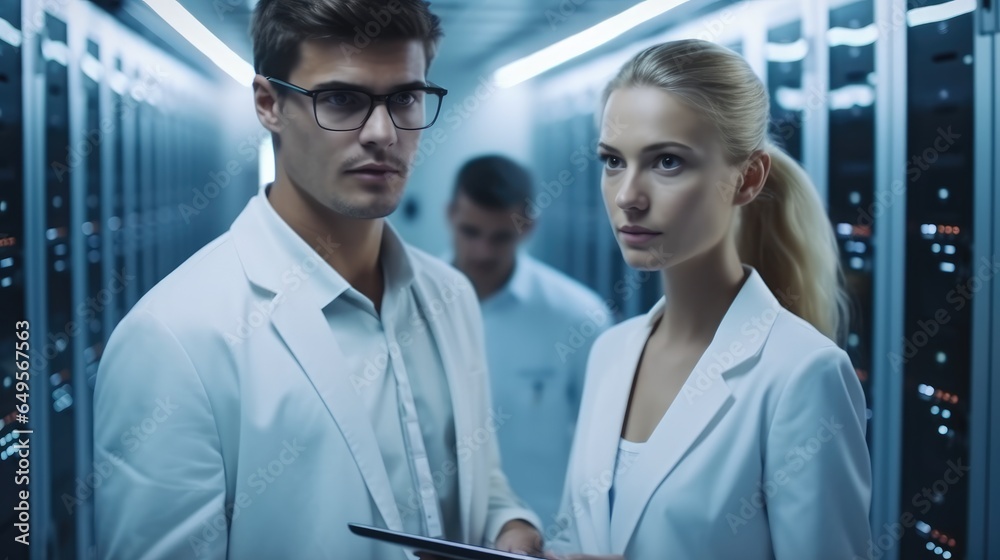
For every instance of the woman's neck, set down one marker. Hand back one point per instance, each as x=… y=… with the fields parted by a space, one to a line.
x=698 y=293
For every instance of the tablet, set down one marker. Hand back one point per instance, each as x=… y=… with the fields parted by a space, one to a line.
x=443 y=548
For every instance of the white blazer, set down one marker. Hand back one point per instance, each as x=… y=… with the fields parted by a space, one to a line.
x=260 y=448
x=762 y=455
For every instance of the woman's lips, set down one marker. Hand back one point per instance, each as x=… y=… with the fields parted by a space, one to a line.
x=637 y=238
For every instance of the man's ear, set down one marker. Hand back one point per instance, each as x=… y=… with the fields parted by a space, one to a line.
x=266 y=104
x=753 y=178
x=523 y=224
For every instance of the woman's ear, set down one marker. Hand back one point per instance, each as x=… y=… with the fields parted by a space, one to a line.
x=753 y=178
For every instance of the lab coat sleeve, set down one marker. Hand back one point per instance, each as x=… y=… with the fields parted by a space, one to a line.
x=155 y=437
x=504 y=505
x=817 y=472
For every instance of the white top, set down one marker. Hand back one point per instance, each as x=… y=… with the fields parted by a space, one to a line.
x=628 y=454
x=400 y=380
x=539 y=328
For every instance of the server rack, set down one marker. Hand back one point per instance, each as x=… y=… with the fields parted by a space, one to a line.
x=103 y=136
x=12 y=252
x=852 y=171
x=936 y=360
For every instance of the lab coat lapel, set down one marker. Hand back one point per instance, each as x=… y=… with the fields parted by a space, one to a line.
x=449 y=344
x=307 y=334
x=298 y=318
x=703 y=400
x=604 y=432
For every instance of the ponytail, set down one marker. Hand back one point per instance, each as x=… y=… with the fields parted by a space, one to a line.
x=785 y=234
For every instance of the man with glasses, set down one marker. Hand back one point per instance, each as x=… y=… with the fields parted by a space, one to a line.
x=308 y=368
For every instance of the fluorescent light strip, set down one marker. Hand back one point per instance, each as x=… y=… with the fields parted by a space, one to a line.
x=847 y=97
x=844 y=36
x=939 y=12
x=576 y=45
x=198 y=35
x=56 y=51
x=91 y=67
x=118 y=82
x=9 y=34
x=787 y=52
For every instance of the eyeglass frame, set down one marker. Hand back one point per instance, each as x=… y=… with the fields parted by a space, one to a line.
x=375 y=99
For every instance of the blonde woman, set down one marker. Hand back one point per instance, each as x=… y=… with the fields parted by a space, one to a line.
x=724 y=423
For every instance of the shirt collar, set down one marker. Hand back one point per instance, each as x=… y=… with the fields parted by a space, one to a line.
x=304 y=268
x=519 y=284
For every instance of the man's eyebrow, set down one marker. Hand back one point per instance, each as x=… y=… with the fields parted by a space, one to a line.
x=334 y=84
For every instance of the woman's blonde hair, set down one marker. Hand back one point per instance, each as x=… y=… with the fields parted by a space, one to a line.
x=784 y=233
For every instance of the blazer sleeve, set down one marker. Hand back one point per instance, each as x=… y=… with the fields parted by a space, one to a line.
x=817 y=472
x=163 y=488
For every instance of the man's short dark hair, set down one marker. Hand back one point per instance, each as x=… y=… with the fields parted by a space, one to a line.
x=280 y=26
x=494 y=181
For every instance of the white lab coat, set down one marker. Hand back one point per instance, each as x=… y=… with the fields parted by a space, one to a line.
x=762 y=454
x=231 y=431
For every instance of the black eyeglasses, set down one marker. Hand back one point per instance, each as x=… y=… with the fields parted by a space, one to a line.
x=345 y=109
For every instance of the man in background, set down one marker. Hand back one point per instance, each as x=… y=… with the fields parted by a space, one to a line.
x=539 y=326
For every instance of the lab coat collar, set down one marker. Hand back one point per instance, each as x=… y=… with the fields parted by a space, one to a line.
x=703 y=400
x=277 y=259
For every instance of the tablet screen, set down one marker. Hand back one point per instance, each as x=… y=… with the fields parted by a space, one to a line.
x=446 y=549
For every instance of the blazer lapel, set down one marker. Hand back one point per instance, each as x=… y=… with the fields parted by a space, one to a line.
x=449 y=343
x=702 y=402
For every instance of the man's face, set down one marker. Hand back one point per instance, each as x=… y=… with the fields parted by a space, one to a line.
x=359 y=173
x=485 y=239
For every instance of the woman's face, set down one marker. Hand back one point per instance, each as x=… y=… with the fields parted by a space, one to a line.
x=667 y=186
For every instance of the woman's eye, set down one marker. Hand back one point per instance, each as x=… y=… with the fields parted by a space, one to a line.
x=612 y=162
x=670 y=162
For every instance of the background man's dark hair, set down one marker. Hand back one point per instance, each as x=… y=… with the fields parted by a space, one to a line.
x=280 y=26
x=495 y=182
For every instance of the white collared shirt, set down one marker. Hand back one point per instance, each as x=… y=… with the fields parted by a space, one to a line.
x=539 y=328
x=400 y=378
